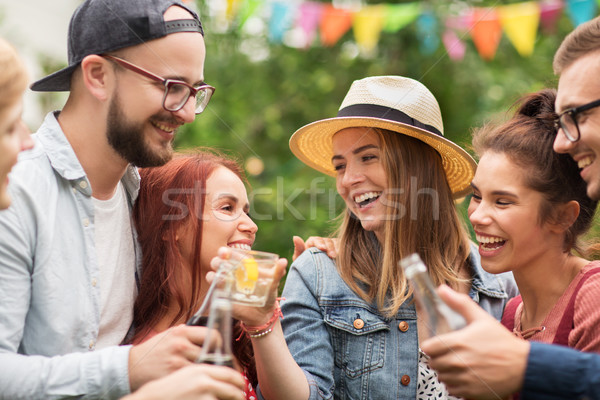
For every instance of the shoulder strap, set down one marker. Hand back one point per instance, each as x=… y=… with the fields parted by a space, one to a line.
x=566 y=324
x=508 y=316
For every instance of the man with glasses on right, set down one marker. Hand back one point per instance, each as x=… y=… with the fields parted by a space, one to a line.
x=485 y=360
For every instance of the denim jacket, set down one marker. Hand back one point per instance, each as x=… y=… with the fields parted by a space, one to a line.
x=346 y=347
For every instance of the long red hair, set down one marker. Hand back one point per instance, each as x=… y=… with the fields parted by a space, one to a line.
x=170 y=197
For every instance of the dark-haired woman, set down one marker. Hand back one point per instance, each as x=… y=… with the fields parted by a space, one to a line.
x=529 y=209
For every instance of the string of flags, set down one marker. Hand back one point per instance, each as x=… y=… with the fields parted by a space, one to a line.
x=316 y=23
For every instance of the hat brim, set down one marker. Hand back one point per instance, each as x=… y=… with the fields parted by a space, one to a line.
x=312 y=144
x=59 y=81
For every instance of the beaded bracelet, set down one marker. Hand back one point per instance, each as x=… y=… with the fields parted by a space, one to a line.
x=258 y=331
x=261 y=334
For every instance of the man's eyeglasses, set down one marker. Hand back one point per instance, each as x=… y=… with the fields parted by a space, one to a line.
x=177 y=92
x=567 y=120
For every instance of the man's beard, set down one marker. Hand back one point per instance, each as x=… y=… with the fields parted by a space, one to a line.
x=127 y=139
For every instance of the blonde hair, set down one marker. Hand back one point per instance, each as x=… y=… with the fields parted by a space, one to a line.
x=423 y=219
x=13 y=76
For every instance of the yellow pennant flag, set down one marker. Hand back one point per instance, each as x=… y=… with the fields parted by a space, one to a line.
x=367 y=25
x=232 y=9
x=520 y=22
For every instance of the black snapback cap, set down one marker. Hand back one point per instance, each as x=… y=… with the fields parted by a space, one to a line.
x=102 y=26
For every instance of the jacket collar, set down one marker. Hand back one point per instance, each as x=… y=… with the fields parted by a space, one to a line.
x=484 y=282
x=64 y=161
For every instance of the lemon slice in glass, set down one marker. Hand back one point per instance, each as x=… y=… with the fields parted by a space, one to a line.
x=246 y=275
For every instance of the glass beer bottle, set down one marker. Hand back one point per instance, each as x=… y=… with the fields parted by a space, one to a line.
x=439 y=318
x=217 y=344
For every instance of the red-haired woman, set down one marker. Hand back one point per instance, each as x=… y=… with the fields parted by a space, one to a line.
x=177 y=205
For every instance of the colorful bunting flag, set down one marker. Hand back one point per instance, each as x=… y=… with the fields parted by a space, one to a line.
x=455 y=47
x=367 y=24
x=397 y=16
x=520 y=22
x=427 y=31
x=232 y=9
x=334 y=23
x=459 y=23
x=248 y=9
x=281 y=20
x=550 y=11
x=486 y=32
x=310 y=15
x=581 y=11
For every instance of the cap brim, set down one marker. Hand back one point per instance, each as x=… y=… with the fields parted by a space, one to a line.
x=60 y=81
x=312 y=144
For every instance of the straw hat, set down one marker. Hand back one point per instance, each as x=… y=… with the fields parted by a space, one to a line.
x=394 y=103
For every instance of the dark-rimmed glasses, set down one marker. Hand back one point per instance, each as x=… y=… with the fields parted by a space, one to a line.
x=567 y=120
x=177 y=92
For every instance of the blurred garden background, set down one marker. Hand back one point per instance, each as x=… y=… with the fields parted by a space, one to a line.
x=277 y=66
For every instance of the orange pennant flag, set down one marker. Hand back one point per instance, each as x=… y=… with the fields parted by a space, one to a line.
x=367 y=25
x=334 y=23
x=486 y=32
x=520 y=22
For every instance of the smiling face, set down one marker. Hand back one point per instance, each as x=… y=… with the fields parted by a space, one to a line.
x=505 y=215
x=14 y=137
x=139 y=129
x=361 y=178
x=579 y=85
x=225 y=218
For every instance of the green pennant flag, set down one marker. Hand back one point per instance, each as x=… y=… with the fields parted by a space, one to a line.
x=247 y=10
x=400 y=15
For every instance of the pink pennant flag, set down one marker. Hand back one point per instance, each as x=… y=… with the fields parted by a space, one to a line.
x=309 y=16
x=459 y=23
x=455 y=47
x=550 y=12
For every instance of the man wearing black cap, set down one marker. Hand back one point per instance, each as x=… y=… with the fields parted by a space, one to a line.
x=68 y=255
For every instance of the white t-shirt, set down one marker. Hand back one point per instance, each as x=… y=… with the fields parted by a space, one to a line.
x=116 y=260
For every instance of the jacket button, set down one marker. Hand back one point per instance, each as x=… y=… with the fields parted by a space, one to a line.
x=359 y=323
x=403 y=326
x=405 y=380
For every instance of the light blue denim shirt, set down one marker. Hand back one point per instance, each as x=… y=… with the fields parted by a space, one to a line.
x=346 y=347
x=49 y=289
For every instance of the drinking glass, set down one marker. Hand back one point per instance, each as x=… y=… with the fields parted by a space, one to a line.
x=249 y=275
